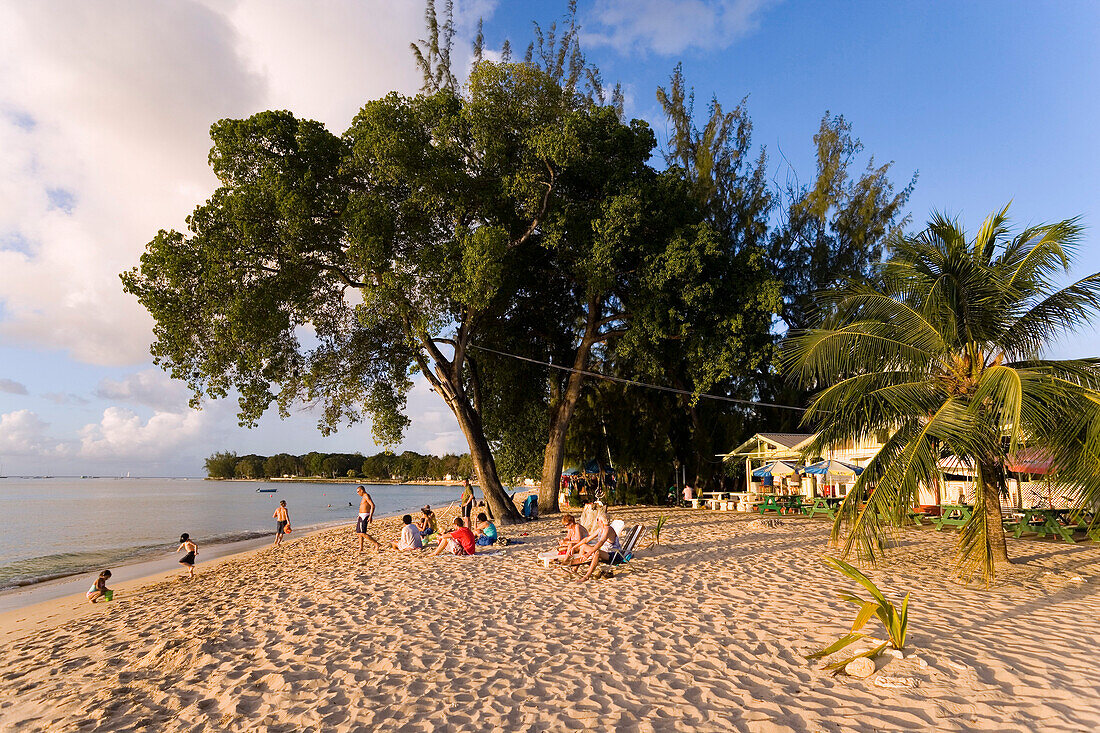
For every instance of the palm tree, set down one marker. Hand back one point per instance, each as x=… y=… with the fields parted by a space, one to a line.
x=944 y=352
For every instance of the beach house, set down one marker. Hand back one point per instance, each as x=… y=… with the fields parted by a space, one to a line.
x=787 y=451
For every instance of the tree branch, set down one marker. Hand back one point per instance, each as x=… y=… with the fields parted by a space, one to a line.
x=542 y=210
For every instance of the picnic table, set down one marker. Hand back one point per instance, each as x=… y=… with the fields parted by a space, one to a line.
x=912 y=517
x=953 y=515
x=822 y=505
x=780 y=504
x=1047 y=521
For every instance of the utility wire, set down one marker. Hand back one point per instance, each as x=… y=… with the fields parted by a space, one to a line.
x=635 y=383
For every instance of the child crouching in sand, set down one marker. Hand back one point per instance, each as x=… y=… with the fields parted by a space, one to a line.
x=99 y=588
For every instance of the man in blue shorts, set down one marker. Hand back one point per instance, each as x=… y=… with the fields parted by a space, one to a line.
x=366 y=515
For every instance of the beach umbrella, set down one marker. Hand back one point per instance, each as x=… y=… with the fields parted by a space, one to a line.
x=777 y=468
x=833 y=468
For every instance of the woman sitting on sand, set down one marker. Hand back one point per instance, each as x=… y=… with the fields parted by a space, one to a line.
x=427 y=523
x=601 y=546
x=486 y=531
x=575 y=533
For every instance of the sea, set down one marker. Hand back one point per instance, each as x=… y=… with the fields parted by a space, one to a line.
x=52 y=528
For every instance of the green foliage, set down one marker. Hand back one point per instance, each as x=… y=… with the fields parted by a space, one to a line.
x=221 y=465
x=659 y=525
x=944 y=352
x=894 y=620
x=385 y=466
x=573 y=498
x=835 y=228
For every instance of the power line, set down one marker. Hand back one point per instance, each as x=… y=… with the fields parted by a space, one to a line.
x=636 y=383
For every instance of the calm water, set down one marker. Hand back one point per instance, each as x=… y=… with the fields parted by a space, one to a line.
x=51 y=528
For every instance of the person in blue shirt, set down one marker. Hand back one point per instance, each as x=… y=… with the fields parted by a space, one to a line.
x=486 y=530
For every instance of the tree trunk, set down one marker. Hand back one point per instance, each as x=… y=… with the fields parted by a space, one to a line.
x=994 y=522
x=552 y=460
x=446 y=380
x=562 y=413
x=482 y=458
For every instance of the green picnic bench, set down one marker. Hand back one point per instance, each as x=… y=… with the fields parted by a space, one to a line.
x=1044 y=522
x=953 y=515
x=780 y=504
x=822 y=505
x=912 y=518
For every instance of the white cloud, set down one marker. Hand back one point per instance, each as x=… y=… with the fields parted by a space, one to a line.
x=23 y=433
x=670 y=27
x=122 y=434
x=105 y=110
x=12 y=387
x=434 y=429
x=65 y=398
x=151 y=387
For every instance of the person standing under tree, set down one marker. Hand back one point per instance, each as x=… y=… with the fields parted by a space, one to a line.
x=366 y=516
x=282 y=522
x=467 y=501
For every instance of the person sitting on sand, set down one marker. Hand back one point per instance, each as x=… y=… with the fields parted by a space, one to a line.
x=602 y=546
x=458 y=542
x=427 y=523
x=188 y=560
x=410 y=536
x=575 y=533
x=486 y=531
x=99 y=588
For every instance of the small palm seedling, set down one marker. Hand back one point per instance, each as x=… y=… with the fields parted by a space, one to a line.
x=892 y=619
x=662 y=520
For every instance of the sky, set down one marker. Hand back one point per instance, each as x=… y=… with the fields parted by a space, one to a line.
x=105 y=109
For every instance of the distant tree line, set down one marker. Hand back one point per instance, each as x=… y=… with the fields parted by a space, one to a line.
x=384 y=466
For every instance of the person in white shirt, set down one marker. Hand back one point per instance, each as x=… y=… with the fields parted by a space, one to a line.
x=410 y=536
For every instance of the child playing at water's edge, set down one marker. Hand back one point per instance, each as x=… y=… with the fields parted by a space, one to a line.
x=99 y=588
x=282 y=521
x=189 y=558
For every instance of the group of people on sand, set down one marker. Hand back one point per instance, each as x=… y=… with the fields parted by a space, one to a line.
x=463 y=539
x=589 y=542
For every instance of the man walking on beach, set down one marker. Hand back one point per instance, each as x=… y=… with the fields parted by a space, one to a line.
x=366 y=516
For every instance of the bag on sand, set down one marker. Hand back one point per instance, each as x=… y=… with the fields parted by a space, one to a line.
x=501 y=541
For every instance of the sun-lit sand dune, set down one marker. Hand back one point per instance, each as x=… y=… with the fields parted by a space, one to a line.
x=705 y=632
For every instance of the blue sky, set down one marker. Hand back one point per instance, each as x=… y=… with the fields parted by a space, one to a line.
x=104 y=114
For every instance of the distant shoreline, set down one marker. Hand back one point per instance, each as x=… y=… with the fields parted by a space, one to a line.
x=345 y=480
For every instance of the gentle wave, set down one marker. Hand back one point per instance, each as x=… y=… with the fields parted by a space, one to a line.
x=65 y=564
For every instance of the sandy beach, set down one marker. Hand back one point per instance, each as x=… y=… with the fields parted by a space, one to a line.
x=704 y=632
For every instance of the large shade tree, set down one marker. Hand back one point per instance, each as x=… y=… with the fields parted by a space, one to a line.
x=944 y=349
x=325 y=268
